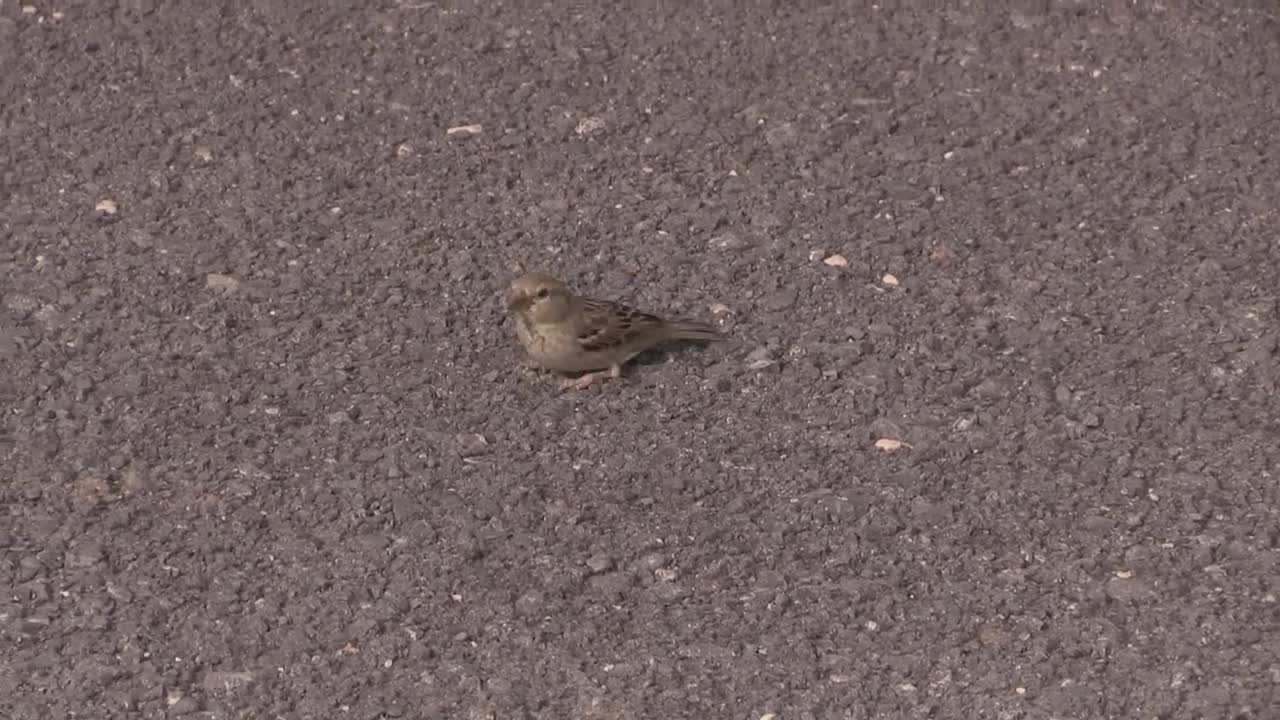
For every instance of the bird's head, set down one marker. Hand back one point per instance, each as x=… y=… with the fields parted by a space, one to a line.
x=539 y=298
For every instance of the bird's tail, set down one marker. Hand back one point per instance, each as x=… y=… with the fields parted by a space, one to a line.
x=692 y=330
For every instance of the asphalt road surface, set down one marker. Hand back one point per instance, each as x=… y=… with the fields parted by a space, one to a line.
x=995 y=436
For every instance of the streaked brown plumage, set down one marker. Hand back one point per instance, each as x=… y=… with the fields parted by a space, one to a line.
x=566 y=333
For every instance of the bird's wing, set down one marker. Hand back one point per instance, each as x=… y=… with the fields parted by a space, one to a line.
x=608 y=325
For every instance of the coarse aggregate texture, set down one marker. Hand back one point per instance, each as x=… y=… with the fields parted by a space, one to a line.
x=266 y=452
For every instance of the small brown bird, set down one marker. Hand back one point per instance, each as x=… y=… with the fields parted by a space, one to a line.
x=566 y=333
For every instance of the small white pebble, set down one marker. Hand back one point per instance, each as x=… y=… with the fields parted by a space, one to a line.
x=464 y=130
x=890 y=280
x=589 y=125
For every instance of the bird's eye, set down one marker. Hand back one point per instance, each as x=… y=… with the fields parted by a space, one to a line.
x=543 y=292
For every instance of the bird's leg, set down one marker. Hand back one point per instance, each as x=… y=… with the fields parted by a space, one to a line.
x=585 y=381
x=579 y=383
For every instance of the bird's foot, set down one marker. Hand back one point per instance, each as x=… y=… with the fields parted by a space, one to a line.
x=584 y=382
x=580 y=383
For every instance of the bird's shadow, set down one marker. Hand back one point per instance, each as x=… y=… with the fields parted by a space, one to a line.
x=670 y=350
x=656 y=356
x=661 y=355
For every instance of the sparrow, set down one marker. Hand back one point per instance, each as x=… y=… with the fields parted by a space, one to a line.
x=566 y=333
